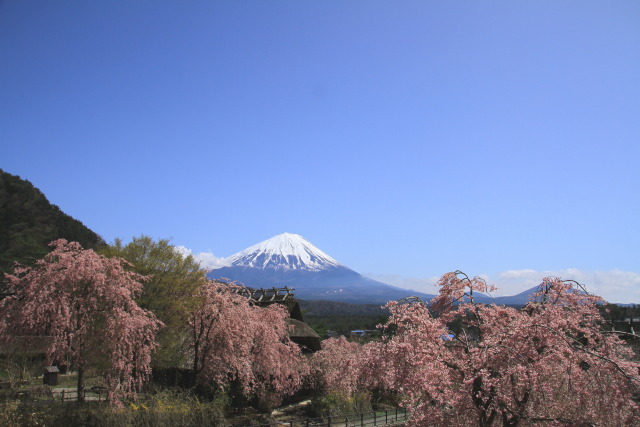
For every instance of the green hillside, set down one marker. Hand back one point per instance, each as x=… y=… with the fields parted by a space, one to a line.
x=28 y=222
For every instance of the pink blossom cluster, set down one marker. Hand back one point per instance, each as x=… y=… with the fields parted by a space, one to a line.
x=234 y=340
x=462 y=363
x=85 y=303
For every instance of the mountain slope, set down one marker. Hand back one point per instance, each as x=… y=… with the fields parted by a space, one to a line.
x=28 y=222
x=291 y=260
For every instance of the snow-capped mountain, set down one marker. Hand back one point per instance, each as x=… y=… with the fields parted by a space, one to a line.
x=285 y=251
x=291 y=260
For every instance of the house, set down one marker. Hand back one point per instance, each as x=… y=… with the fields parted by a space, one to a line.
x=34 y=347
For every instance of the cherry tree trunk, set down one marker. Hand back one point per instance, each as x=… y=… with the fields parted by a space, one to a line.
x=81 y=384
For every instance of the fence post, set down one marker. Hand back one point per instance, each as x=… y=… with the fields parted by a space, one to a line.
x=63 y=395
x=386 y=418
x=329 y=425
x=375 y=416
x=361 y=419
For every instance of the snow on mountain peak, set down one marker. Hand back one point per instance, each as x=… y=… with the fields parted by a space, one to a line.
x=285 y=251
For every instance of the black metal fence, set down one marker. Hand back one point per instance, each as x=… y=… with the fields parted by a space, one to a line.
x=94 y=394
x=44 y=393
x=378 y=418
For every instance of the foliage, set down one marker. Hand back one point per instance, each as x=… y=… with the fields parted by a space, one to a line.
x=335 y=367
x=345 y=374
x=235 y=341
x=334 y=308
x=28 y=222
x=164 y=409
x=337 y=402
x=343 y=324
x=170 y=408
x=12 y=414
x=550 y=361
x=84 y=302
x=18 y=369
x=171 y=292
x=615 y=312
x=342 y=317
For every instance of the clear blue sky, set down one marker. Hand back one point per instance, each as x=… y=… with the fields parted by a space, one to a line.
x=404 y=139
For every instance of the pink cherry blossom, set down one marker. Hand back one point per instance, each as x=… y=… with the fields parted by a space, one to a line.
x=551 y=362
x=85 y=303
x=235 y=341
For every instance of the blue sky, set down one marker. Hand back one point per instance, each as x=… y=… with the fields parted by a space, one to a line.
x=405 y=139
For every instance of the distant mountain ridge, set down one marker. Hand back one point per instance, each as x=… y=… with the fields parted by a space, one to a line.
x=291 y=260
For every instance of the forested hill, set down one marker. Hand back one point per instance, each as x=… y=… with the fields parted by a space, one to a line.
x=28 y=222
x=331 y=308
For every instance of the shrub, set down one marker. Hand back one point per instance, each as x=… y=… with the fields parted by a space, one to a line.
x=336 y=403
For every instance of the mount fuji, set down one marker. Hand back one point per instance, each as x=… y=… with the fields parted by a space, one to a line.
x=291 y=260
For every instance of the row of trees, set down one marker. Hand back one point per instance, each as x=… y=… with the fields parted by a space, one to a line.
x=119 y=318
x=460 y=362
x=454 y=361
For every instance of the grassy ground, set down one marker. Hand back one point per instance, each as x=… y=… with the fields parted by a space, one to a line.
x=165 y=408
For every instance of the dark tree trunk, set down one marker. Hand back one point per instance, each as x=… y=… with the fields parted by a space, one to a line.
x=81 y=384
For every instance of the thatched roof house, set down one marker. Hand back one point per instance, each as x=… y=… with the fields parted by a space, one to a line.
x=303 y=335
x=32 y=346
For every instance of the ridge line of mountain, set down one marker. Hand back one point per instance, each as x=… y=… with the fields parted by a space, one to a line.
x=291 y=260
